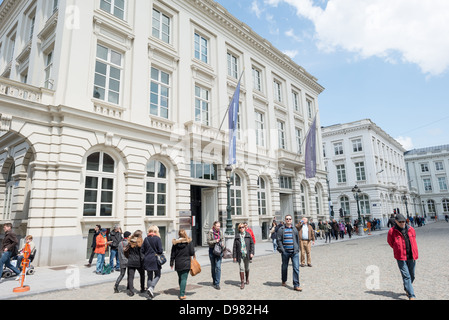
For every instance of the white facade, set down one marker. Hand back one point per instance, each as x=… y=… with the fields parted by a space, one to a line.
x=111 y=114
x=360 y=153
x=427 y=170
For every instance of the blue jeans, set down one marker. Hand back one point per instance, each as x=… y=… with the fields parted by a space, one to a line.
x=100 y=262
x=215 y=265
x=275 y=245
x=6 y=260
x=286 y=256
x=407 y=269
x=114 y=254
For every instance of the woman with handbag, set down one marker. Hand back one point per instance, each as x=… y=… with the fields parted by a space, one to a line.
x=151 y=249
x=135 y=257
x=181 y=252
x=215 y=240
x=243 y=252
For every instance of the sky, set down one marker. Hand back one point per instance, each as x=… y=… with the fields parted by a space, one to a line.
x=384 y=60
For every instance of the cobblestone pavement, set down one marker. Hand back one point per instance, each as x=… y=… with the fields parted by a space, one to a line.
x=362 y=269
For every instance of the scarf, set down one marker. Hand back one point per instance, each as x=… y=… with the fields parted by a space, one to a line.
x=216 y=233
x=243 y=244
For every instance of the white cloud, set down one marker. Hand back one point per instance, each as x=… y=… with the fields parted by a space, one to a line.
x=291 y=34
x=411 y=31
x=291 y=53
x=406 y=142
x=256 y=9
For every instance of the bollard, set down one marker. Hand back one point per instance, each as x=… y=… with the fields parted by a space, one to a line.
x=25 y=263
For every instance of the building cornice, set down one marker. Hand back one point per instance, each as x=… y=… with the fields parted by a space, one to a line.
x=220 y=15
x=5 y=9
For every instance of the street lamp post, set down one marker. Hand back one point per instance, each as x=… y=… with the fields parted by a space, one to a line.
x=356 y=191
x=229 y=229
x=404 y=197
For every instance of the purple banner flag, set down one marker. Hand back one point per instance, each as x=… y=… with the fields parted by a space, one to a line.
x=310 y=156
x=233 y=119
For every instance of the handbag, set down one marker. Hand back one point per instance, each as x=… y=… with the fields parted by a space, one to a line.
x=195 y=267
x=161 y=259
x=218 y=250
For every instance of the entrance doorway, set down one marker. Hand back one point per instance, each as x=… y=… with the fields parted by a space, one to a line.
x=287 y=205
x=204 y=208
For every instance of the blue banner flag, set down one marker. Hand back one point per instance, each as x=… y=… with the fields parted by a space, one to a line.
x=233 y=119
x=310 y=156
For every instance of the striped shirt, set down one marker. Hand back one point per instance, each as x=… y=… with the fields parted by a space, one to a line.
x=288 y=239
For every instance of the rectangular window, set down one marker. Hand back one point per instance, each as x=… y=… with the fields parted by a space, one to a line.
x=281 y=135
x=200 y=170
x=159 y=93
x=338 y=148
x=260 y=128
x=285 y=182
x=257 y=79
x=201 y=48
x=360 y=171
x=232 y=66
x=427 y=185
x=114 y=7
x=202 y=105
x=439 y=166
x=108 y=70
x=295 y=98
x=161 y=26
x=298 y=135
x=424 y=167
x=309 y=108
x=442 y=183
x=156 y=198
x=357 y=145
x=341 y=173
x=48 y=71
x=277 y=88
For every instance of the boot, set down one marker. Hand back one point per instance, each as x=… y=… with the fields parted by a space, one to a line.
x=242 y=280
x=247 y=277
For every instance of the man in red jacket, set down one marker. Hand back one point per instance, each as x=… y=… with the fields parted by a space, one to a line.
x=402 y=238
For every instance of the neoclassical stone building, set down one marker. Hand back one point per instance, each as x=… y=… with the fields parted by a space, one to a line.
x=111 y=113
x=363 y=154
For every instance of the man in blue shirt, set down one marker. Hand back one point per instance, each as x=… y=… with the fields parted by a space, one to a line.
x=288 y=246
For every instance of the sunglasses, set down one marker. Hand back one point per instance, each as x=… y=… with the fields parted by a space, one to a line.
x=288 y=219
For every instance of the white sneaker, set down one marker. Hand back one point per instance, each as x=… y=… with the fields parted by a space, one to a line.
x=150 y=292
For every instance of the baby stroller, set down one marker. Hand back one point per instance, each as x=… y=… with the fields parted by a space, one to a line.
x=8 y=273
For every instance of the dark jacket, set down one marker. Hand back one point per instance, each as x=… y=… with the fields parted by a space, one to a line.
x=116 y=238
x=135 y=259
x=121 y=255
x=236 y=252
x=10 y=242
x=94 y=240
x=181 y=252
x=280 y=239
x=151 y=246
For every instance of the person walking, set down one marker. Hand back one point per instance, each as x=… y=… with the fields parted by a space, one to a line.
x=349 y=229
x=135 y=258
x=402 y=238
x=123 y=260
x=9 y=249
x=243 y=252
x=181 y=255
x=306 y=239
x=152 y=247
x=328 y=231
x=215 y=235
x=115 y=237
x=94 y=243
x=273 y=235
x=335 y=228
x=342 y=228
x=288 y=246
x=101 y=244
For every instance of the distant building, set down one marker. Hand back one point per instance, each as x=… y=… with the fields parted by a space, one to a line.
x=427 y=170
x=361 y=153
x=111 y=112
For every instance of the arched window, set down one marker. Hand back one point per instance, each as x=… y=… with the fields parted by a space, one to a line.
x=364 y=204
x=99 y=185
x=261 y=196
x=431 y=207
x=445 y=203
x=9 y=193
x=156 y=189
x=344 y=205
x=236 y=195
